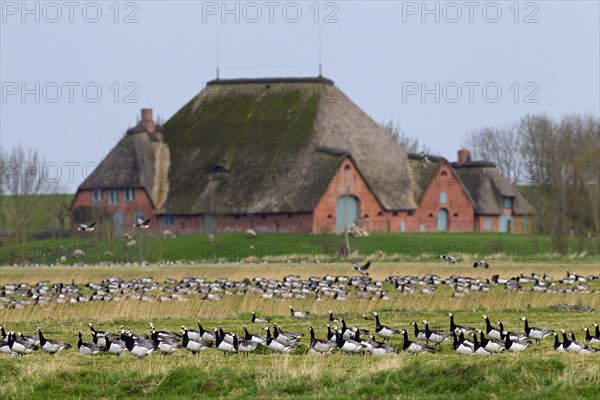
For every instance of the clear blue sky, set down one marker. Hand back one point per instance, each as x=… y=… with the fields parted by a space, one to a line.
x=544 y=56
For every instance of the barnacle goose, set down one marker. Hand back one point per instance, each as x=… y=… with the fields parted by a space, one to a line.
x=512 y=335
x=286 y=337
x=5 y=347
x=226 y=336
x=588 y=337
x=558 y=346
x=4 y=334
x=491 y=345
x=277 y=345
x=379 y=348
x=99 y=336
x=597 y=335
x=259 y=319
x=481 y=263
x=194 y=346
x=348 y=333
x=414 y=347
x=206 y=335
x=419 y=334
x=164 y=334
x=298 y=314
x=465 y=329
x=435 y=336
x=384 y=331
x=515 y=345
x=225 y=346
x=88 y=349
x=535 y=333
x=164 y=344
x=140 y=347
x=450 y=259
x=490 y=330
x=261 y=340
x=330 y=334
x=115 y=347
x=478 y=348
x=459 y=345
x=49 y=345
x=20 y=346
x=192 y=333
x=347 y=345
x=331 y=317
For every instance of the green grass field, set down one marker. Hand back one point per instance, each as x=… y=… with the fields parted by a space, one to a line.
x=539 y=372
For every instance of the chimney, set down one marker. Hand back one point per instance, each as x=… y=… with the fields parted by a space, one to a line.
x=147 y=122
x=464 y=156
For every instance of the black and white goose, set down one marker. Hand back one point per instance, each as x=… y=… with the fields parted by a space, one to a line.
x=361 y=269
x=450 y=259
x=256 y=319
x=512 y=335
x=515 y=345
x=435 y=336
x=490 y=344
x=585 y=349
x=194 y=346
x=192 y=333
x=86 y=227
x=35 y=340
x=481 y=263
x=460 y=346
x=20 y=346
x=414 y=347
x=164 y=334
x=247 y=345
x=347 y=345
x=597 y=334
x=49 y=345
x=379 y=348
x=332 y=318
x=330 y=333
x=382 y=330
x=286 y=337
x=98 y=337
x=588 y=337
x=142 y=224
x=164 y=344
x=5 y=347
x=463 y=328
x=225 y=346
x=535 y=333
x=490 y=330
x=261 y=340
x=140 y=347
x=558 y=346
x=116 y=346
x=478 y=348
x=349 y=333
x=277 y=345
x=419 y=334
x=87 y=349
x=206 y=336
x=298 y=314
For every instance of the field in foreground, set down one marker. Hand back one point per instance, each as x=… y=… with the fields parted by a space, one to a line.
x=538 y=372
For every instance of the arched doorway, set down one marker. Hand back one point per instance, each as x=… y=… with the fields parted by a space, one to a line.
x=347 y=212
x=442 y=220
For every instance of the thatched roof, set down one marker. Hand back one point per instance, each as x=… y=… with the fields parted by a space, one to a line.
x=487 y=186
x=273 y=145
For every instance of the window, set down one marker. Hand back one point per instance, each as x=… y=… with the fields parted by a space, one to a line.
x=507 y=202
x=430 y=215
x=366 y=216
x=410 y=213
x=290 y=215
x=455 y=215
x=395 y=214
x=169 y=220
x=347 y=167
x=129 y=194
x=380 y=214
x=97 y=195
x=139 y=215
x=443 y=198
x=444 y=173
x=402 y=226
x=113 y=196
x=488 y=223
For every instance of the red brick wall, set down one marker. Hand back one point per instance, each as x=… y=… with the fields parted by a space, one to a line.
x=141 y=202
x=459 y=207
x=348 y=181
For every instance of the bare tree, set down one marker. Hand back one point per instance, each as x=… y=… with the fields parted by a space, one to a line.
x=411 y=144
x=21 y=178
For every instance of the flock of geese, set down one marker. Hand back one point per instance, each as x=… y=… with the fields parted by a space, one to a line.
x=338 y=287
x=340 y=337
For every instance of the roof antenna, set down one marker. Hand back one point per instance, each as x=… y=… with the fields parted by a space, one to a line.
x=320 y=64
x=217 y=54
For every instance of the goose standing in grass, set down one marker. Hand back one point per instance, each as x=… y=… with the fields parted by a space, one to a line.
x=419 y=334
x=192 y=333
x=384 y=331
x=205 y=335
x=558 y=346
x=194 y=346
x=512 y=335
x=277 y=345
x=330 y=334
x=164 y=344
x=460 y=346
x=597 y=334
x=588 y=337
x=140 y=347
x=585 y=349
x=116 y=346
x=478 y=348
x=435 y=336
x=225 y=346
x=515 y=345
x=332 y=318
x=414 y=347
x=489 y=344
x=164 y=334
x=5 y=347
x=20 y=346
x=298 y=314
x=451 y=260
x=348 y=333
x=261 y=340
x=260 y=320
x=347 y=345
x=535 y=333
x=49 y=345
x=289 y=337
x=87 y=349
x=490 y=330
x=465 y=329
x=481 y=263
x=246 y=346
x=379 y=348
x=99 y=336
